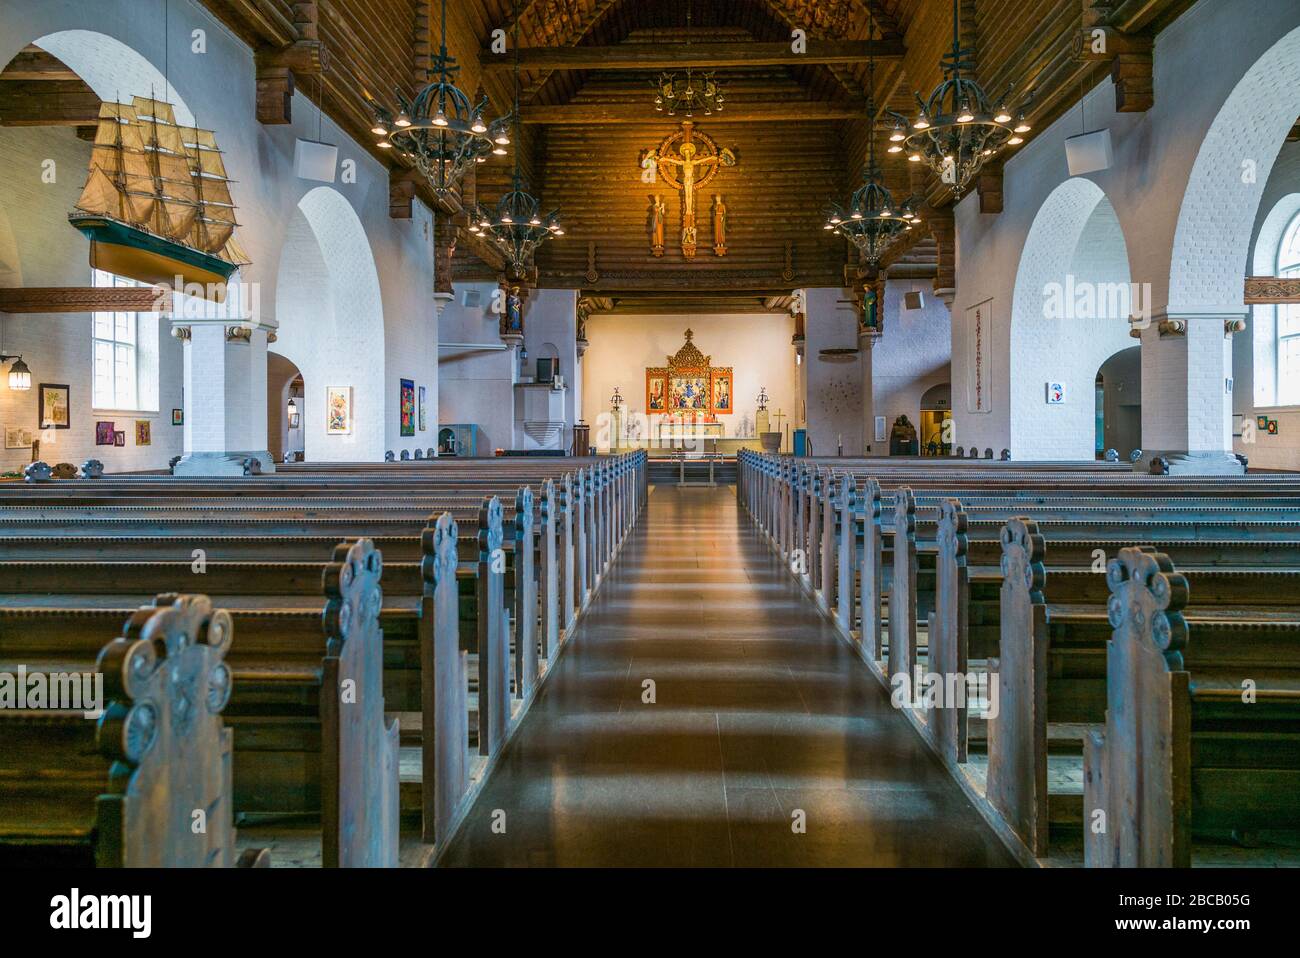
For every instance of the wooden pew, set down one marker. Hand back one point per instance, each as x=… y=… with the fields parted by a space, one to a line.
x=124 y=791
x=1053 y=659
x=1185 y=748
x=608 y=526
x=261 y=572
x=554 y=521
x=308 y=712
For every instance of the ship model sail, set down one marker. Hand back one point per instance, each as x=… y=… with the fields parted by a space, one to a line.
x=157 y=204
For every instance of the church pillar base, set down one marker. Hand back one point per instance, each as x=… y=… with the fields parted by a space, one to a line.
x=1206 y=463
x=223 y=464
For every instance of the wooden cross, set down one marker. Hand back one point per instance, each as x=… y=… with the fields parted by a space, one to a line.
x=778 y=416
x=687 y=170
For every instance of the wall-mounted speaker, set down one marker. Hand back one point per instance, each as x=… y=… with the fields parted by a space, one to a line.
x=1089 y=152
x=314 y=160
x=914 y=300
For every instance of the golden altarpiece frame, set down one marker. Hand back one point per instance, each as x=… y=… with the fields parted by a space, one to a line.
x=689 y=387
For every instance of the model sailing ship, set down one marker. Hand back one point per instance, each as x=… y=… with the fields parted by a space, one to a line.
x=157 y=203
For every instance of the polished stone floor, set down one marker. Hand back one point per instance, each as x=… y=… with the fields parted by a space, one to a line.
x=761 y=721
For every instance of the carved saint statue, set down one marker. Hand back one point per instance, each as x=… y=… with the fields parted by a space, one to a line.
x=658 y=214
x=870 y=311
x=513 y=320
x=719 y=226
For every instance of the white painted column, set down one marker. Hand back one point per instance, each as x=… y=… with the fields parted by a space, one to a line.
x=225 y=397
x=865 y=342
x=1187 y=392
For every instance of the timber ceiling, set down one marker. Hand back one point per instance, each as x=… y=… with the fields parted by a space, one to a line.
x=799 y=124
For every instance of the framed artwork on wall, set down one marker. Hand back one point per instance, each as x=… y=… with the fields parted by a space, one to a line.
x=423 y=421
x=979 y=357
x=119 y=438
x=406 y=407
x=143 y=432
x=104 y=433
x=18 y=438
x=178 y=417
x=338 y=410
x=54 y=411
x=1261 y=422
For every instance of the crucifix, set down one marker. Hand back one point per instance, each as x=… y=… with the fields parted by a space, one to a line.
x=689 y=169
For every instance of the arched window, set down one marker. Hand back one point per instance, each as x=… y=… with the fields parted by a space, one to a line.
x=1288 y=319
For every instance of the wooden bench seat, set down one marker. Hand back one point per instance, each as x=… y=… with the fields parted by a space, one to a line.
x=1186 y=750
x=297 y=748
x=121 y=791
x=1049 y=749
x=73 y=553
x=277 y=607
x=1052 y=656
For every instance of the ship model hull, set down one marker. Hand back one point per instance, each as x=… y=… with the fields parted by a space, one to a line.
x=126 y=250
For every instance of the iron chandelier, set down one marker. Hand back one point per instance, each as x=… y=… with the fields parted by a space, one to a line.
x=689 y=93
x=872 y=220
x=441 y=130
x=957 y=129
x=516 y=226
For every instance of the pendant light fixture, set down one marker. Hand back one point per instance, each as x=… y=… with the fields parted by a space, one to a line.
x=871 y=221
x=690 y=92
x=516 y=226
x=957 y=130
x=441 y=131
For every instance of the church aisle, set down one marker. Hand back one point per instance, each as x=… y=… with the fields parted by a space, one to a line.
x=760 y=712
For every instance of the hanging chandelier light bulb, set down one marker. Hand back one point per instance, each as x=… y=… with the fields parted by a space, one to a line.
x=957 y=130
x=691 y=93
x=873 y=221
x=515 y=226
x=441 y=130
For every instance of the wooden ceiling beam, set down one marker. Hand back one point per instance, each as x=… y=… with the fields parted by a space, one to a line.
x=771 y=112
x=656 y=56
x=256 y=21
x=1131 y=16
x=78 y=299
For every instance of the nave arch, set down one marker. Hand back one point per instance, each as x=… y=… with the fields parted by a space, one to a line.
x=1217 y=217
x=1070 y=309
x=331 y=323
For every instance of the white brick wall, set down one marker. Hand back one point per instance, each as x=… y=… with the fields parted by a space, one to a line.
x=1075 y=234
x=477 y=386
x=1253 y=354
x=834 y=397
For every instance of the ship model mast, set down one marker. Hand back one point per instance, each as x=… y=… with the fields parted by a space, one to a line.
x=157 y=205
